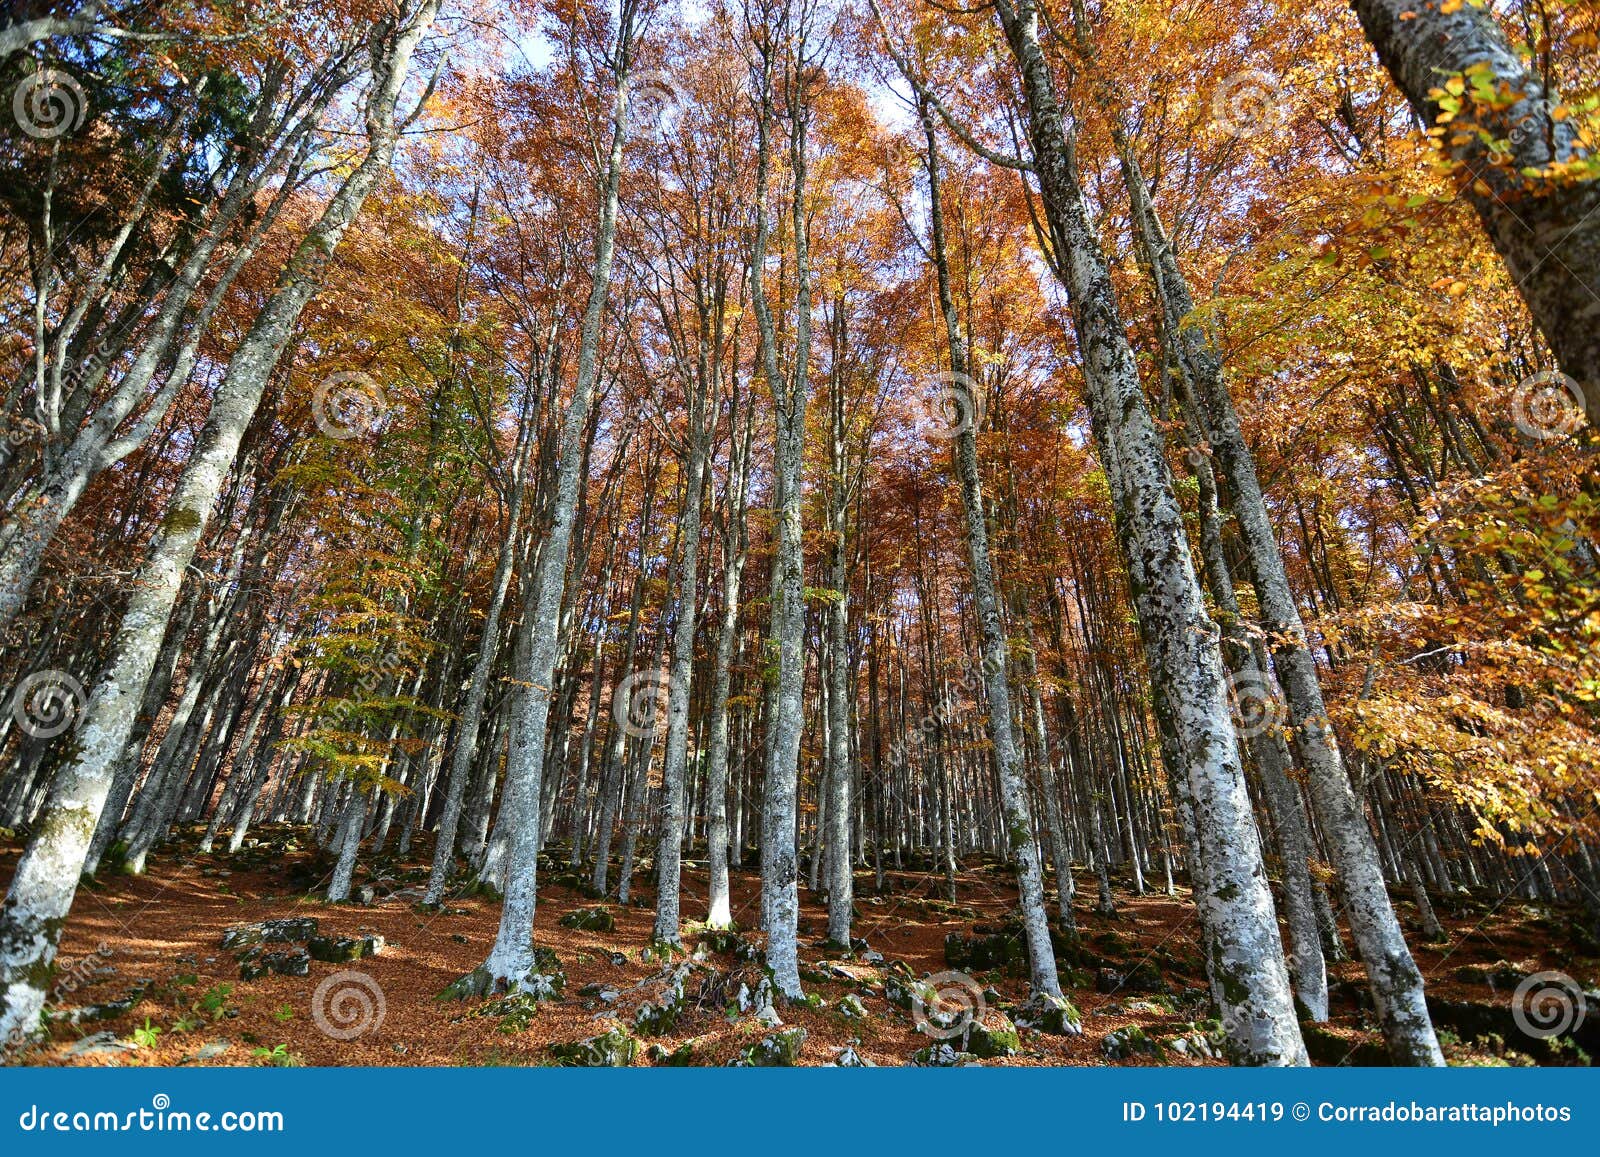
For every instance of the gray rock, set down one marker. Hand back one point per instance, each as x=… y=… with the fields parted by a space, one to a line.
x=255 y=963
x=101 y=1044
x=343 y=949
x=295 y=930
x=941 y=1056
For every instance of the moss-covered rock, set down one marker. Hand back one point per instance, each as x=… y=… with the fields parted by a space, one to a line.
x=596 y=919
x=680 y=1057
x=256 y=962
x=515 y=1012
x=1007 y=950
x=1051 y=1014
x=1328 y=1047
x=851 y=1008
x=850 y=1058
x=994 y=1035
x=1131 y=1041
x=295 y=930
x=908 y=992
x=614 y=1049
x=779 y=1050
x=343 y=949
x=942 y=1055
x=659 y=1014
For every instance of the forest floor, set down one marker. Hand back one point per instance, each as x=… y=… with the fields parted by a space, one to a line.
x=143 y=978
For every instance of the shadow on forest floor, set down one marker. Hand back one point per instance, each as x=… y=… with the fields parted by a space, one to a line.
x=143 y=978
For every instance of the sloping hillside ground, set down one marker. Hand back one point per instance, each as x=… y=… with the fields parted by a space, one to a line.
x=145 y=979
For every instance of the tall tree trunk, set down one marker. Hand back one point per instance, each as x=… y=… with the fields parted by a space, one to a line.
x=511 y=959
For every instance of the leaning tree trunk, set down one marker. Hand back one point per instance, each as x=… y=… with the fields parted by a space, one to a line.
x=46 y=878
x=1245 y=954
x=1395 y=980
